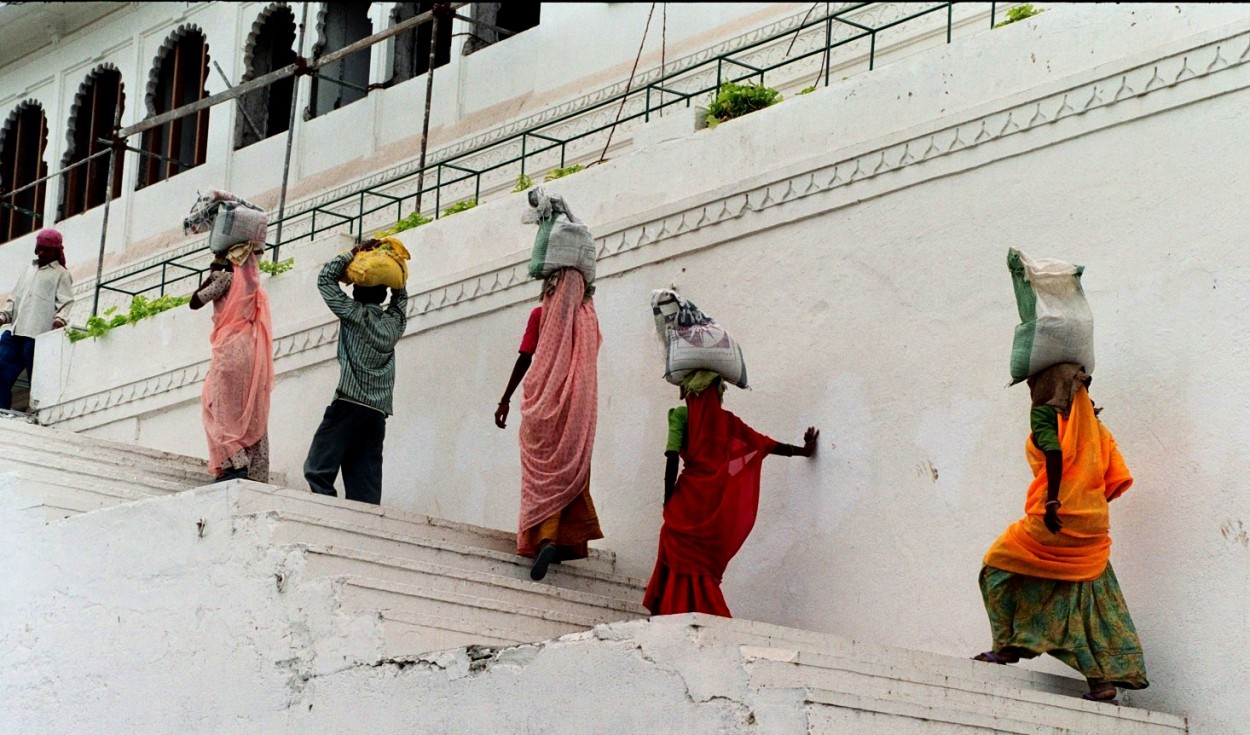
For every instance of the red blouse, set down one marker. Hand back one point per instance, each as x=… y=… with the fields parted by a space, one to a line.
x=529 y=342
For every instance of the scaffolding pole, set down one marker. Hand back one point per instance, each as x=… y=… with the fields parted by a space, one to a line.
x=436 y=11
x=108 y=200
x=290 y=138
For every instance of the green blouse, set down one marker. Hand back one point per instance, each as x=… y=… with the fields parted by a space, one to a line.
x=677 y=420
x=1044 y=423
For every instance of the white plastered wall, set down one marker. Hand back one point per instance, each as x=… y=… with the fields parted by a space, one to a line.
x=855 y=241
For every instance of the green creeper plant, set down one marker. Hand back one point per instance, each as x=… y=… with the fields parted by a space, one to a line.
x=459 y=207
x=1020 y=12
x=523 y=182
x=735 y=100
x=807 y=90
x=273 y=269
x=141 y=307
x=561 y=172
x=416 y=219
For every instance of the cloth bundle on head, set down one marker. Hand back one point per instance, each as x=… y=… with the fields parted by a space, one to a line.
x=50 y=238
x=694 y=341
x=1056 y=385
x=230 y=220
x=559 y=244
x=384 y=265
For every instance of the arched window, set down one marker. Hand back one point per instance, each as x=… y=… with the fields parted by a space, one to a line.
x=411 y=52
x=23 y=141
x=511 y=16
x=271 y=46
x=179 y=77
x=91 y=119
x=346 y=80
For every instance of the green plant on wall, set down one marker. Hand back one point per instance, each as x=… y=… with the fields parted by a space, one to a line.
x=273 y=269
x=523 y=182
x=808 y=90
x=460 y=207
x=416 y=219
x=141 y=307
x=735 y=100
x=561 y=172
x=1020 y=12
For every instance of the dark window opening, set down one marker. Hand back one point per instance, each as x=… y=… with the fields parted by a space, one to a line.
x=344 y=81
x=23 y=141
x=410 y=57
x=516 y=17
x=272 y=48
x=180 y=144
x=95 y=109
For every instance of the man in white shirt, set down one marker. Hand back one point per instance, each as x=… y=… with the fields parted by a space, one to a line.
x=39 y=303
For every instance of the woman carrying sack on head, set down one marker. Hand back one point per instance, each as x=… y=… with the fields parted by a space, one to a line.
x=1047 y=581
x=236 y=393
x=559 y=364
x=709 y=510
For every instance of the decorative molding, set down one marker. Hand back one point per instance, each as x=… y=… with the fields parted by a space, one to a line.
x=769 y=192
x=154 y=71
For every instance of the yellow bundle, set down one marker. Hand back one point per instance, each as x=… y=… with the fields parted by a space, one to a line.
x=385 y=265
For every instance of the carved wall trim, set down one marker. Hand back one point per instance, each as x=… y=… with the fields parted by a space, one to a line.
x=775 y=191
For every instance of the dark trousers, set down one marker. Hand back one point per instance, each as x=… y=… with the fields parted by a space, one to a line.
x=350 y=437
x=16 y=354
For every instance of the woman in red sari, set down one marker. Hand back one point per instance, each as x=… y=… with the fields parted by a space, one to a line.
x=710 y=508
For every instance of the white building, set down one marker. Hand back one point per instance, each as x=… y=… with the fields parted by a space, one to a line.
x=852 y=238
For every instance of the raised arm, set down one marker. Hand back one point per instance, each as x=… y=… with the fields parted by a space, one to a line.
x=808 y=449
x=328 y=284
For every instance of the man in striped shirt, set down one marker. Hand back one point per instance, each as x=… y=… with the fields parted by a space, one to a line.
x=353 y=429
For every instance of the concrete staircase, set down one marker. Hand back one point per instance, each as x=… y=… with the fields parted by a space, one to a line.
x=62 y=473
x=419 y=594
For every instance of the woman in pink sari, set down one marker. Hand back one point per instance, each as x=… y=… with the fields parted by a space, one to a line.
x=558 y=361
x=235 y=400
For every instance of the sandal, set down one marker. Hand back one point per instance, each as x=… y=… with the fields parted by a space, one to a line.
x=545 y=556
x=1100 y=692
x=990 y=657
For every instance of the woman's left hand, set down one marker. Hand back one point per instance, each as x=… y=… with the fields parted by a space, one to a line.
x=809 y=441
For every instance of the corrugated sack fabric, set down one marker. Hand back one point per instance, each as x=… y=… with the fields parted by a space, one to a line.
x=229 y=219
x=559 y=243
x=694 y=341
x=1056 y=322
x=385 y=265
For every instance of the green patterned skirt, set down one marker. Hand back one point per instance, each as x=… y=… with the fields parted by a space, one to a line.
x=1086 y=625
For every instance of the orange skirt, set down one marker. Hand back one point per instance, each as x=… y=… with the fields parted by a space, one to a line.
x=570 y=529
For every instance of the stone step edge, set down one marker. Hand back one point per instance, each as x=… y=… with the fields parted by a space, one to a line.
x=75 y=468
x=457 y=626
x=575 y=596
x=997 y=690
x=996 y=723
x=71 y=437
x=403 y=516
x=777 y=636
x=566 y=569
x=453 y=598
x=947 y=666
x=33 y=449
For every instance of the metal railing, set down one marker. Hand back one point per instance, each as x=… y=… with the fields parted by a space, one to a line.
x=494 y=165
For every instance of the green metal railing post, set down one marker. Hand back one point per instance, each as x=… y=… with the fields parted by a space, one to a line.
x=828 y=47
x=950 y=12
x=993 y=10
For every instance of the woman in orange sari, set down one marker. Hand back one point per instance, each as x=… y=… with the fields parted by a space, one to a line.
x=709 y=510
x=558 y=361
x=1047 y=581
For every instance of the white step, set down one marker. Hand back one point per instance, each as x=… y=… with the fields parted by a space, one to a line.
x=893 y=681
x=15 y=431
x=395 y=521
x=298 y=528
x=51 y=450
x=834 y=713
x=343 y=562
x=727 y=631
x=400 y=602
x=410 y=634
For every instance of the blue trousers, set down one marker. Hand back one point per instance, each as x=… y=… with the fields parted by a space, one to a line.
x=17 y=354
